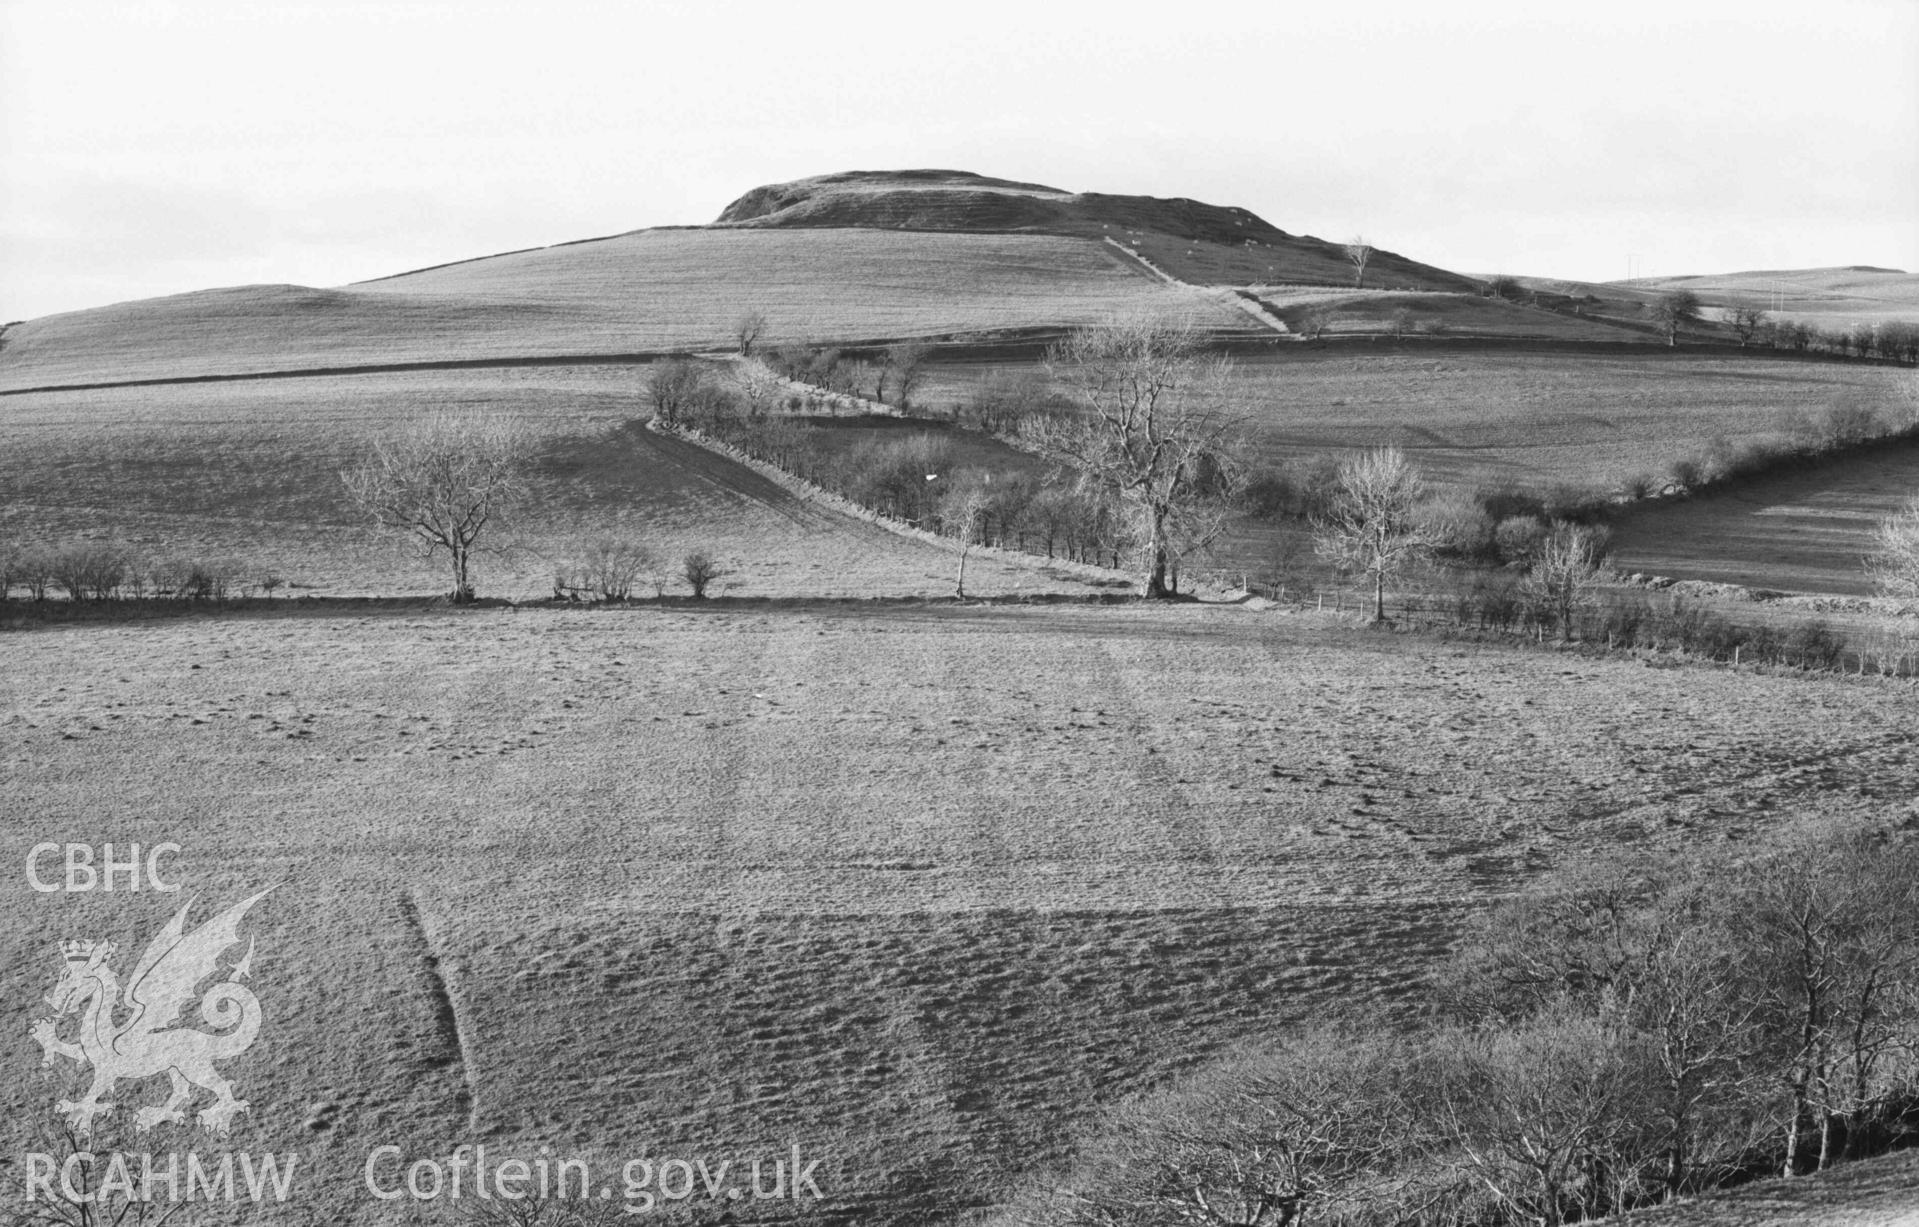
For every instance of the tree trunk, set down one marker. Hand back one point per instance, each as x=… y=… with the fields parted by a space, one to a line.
x=1156 y=578
x=462 y=590
x=1790 y=1168
x=1156 y=546
x=1379 y=595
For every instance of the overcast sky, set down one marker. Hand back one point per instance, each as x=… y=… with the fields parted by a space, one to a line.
x=151 y=148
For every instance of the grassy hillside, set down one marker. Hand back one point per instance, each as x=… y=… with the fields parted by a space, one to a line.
x=1537 y=417
x=1827 y=297
x=251 y=469
x=1804 y=531
x=919 y=890
x=648 y=291
x=1196 y=242
x=1434 y=316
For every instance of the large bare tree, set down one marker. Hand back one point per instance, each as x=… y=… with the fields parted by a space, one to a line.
x=444 y=481
x=1374 y=527
x=1358 y=254
x=1156 y=431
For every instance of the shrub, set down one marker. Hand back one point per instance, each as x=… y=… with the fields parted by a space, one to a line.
x=1637 y=486
x=1685 y=473
x=1623 y=622
x=700 y=569
x=18 y=567
x=1459 y=525
x=1506 y=500
x=1518 y=538
x=192 y=579
x=1579 y=504
x=89 y=570
x=1813 y=645
x=606 y=568
x=1848 y=423
x=1491 y=604
x=1269 y=494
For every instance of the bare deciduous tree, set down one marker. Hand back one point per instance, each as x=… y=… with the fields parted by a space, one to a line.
x=1746 y=323
x=1675 y=310
x=1831 y=929
x=1358 y=253
x=1319 y=1128
x=1157 y=434
x=1545 y=1113
x=444 y=481
x=962 y=507
x=759 y=388
x=1894 y=562
x=906 y=362
x=1374 y=527
x=747 y=331
x=675 y=388
x=1568 y=565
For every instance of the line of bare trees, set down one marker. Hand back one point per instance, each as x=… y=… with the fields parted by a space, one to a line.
x=1618 y=1037
x=892 y=375
x=103 y=570
x=1141 y=454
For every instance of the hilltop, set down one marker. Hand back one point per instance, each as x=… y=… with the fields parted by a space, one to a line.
x=1197 y=242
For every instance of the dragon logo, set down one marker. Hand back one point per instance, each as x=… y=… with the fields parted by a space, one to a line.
x=147 y=1042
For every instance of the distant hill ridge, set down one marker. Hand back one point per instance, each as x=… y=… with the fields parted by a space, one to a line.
x=961 y=200
x=1230 y=245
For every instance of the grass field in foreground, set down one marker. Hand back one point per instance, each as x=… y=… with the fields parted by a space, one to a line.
x=251 y=469
x=919 y=889
x=652 y=290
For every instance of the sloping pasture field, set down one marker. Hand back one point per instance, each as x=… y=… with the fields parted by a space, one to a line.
x=918 y=889
x=649 y=291
x=1531 y=416
x=1452 y=315
x=1805 y=531
x=250 y=469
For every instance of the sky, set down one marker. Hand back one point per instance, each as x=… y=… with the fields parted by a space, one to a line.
x=157 y=147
